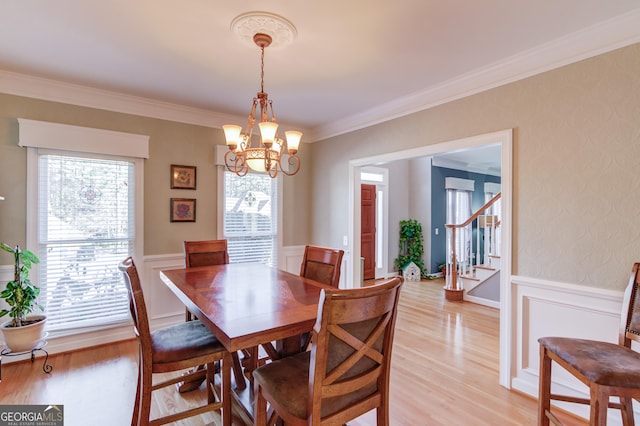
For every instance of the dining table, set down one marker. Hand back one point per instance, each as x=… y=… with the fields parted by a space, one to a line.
x=246 y=305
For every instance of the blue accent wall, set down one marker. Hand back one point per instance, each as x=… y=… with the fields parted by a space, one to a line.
x=438 y=207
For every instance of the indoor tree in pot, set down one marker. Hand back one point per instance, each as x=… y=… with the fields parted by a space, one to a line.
x=23 y=331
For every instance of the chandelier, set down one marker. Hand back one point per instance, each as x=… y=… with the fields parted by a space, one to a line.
x=268 y=152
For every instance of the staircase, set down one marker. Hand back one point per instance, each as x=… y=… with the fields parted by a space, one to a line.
x=470 y=280
x=483 y=286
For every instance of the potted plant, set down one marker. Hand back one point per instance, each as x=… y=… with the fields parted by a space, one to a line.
x=443 y=268
x=411 y=248
x=22 y=332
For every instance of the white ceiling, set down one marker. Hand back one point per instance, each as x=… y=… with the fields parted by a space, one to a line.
x=353 y=63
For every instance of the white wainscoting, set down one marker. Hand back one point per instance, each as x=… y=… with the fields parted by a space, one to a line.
x=163 y=309
x=545 y=308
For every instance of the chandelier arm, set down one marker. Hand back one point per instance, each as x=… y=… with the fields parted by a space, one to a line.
x=230 y=158
x=242 y=168
x=293 y=160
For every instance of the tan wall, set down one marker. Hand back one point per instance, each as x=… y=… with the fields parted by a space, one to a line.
x=170 y=143
x=576 y=204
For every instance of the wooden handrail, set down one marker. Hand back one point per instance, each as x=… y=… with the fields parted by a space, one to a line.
x=476 y=214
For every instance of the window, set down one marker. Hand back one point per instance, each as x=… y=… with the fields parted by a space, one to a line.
x=85 y=228
x=459 y=193
x=250 y=217
x=84 y=204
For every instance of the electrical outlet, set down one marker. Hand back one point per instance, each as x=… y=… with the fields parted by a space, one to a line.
x=345 y=240
x=437 y=231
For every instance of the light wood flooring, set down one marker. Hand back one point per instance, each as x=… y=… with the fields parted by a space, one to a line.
x=444 y=372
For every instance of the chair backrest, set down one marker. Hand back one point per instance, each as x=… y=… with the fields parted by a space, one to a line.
x=351 y=350
x=136 y=302
x=205 y=253
x=322 y=265
x=630 y=321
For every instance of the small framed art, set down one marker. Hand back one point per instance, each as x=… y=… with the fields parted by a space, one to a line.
x=183 y=210
x=183 y=177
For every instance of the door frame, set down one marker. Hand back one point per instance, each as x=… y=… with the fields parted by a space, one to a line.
x=505 y=139
x=382 y=218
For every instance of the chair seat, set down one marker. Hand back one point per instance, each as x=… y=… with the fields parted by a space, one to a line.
x=183 y=341
x=603 y=363
x=287 y=380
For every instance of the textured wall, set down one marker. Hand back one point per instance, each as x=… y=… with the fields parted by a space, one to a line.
x=576 y=202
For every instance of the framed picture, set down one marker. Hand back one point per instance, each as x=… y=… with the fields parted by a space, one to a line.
x=183 y=210
x=183 y=177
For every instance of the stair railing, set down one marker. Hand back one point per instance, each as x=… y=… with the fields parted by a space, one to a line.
x=453 y=286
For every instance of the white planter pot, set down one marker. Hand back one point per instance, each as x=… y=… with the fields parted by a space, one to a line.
x=25 y=338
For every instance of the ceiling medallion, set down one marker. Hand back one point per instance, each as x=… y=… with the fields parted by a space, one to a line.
x=281 y=30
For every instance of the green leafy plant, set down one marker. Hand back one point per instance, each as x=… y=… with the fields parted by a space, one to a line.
x=411 y=245
x=20 y=294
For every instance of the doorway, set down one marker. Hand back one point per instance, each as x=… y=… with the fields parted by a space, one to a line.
x=368 y=230
x=503 y=138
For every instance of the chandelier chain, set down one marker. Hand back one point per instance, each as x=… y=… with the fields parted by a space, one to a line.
x=262 y=69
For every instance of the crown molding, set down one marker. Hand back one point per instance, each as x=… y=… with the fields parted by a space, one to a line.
x=606 y=36
x=609 y=35
x=74 y=94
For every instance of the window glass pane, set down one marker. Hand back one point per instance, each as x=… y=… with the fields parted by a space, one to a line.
x=85 y=228
x=250 y=217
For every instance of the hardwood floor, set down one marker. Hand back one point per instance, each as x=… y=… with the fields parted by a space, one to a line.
x=444 y=372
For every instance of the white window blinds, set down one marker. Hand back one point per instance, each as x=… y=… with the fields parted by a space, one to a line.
x=85 y=228
x=84 y=216
x=250 y=217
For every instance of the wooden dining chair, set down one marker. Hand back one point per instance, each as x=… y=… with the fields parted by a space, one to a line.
x=322 y=265
x=319 y=264
x=608 y=369
x=174 y=348
x=346 y=373
x=204 y=253
x=209 y=253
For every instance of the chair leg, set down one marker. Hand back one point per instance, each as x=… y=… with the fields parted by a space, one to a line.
x=210 y=382
x=627 y=411
x=237 y=371
x=599 y=405
x=260 y=410
x=544 y=388
x=146 y=384
x=136 y=404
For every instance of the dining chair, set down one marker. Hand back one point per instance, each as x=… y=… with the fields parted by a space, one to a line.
x=172 y=349
x=608 y=369
x=204 y=253
x=346 y=372
x=208 y=253
x=322 y=265
x=319 y=264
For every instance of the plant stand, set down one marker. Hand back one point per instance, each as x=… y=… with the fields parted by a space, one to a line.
x=46 y=367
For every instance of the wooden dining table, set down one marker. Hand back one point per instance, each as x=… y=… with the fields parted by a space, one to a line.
x=246 y=305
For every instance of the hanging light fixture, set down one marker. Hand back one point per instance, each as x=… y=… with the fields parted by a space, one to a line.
x=267 y=152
